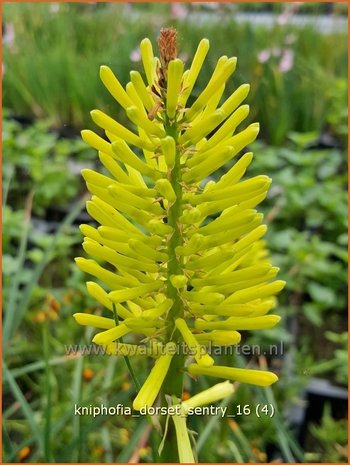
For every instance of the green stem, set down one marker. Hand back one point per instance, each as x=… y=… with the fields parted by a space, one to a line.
x=126 y=358
x=173 y=383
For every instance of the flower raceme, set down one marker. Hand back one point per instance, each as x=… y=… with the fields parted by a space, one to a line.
x=179 y=257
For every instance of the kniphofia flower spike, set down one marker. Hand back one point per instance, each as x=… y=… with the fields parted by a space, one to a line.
x=185 y=259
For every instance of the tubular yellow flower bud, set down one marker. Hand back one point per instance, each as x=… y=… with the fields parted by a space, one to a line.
x=209 y=396
x=112 y=279
x=129 y=294
x=96 y=142
x=183 y=440
x=166 y=189
x=202 y=128
x=235 y=99
x=258 y=377
x=147 y=59
x=146 y=251
x=106 y=337
x=141 y=89
x=168 y=149
x=135 y=100
x=202 y=359
x=106 y=122
x=114 y=87
x=240 y=323
x=151 y=387
x=93 y=320
x=175 y=70
x=228 y=127
x=126 y=155
x=140 y=119
x=195 y=68
x=226 y=71
x=210 y=165
x=219 y=337
x=178 y=281
x=256 y=292
x=113 y=167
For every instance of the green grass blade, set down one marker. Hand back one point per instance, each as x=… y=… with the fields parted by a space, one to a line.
x=126 y=453
x=47 y=429
x=26 y=409
x=10 y=315
x=15 y=316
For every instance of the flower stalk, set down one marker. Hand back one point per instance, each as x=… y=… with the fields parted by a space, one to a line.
x=186 y=262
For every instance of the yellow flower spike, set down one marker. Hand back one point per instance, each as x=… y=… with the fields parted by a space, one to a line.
x=106 y=337
x=257 y=377
x=140 y=119
x=191 y=77
x=175 y=70
x=202 y=359
x=141 y=90
x=183 y=441
x=240 y=323
x=168 y=150
x=219 y=337
x=93 y=320
x=151 y=387
x=166 y=190
x=114 y=87
x=171 y=246
x=147 y=59
x=209 y=396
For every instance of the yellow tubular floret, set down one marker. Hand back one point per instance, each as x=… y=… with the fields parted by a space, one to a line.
x=151 y=387
x=114 y=87
x=175 y=70
x=147 y=59
x=201 y=358
x=258 y=377
x=194 y=70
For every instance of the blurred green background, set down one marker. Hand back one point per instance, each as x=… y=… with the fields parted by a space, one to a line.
x=294 y=55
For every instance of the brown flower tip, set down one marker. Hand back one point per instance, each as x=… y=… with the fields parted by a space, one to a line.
x=167 y=46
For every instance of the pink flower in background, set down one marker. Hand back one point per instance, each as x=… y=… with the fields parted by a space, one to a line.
x=8 y=37
x=287 y=61
x=135 y=55
x=264 y=56
x=178 y=11
x=54 y=7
